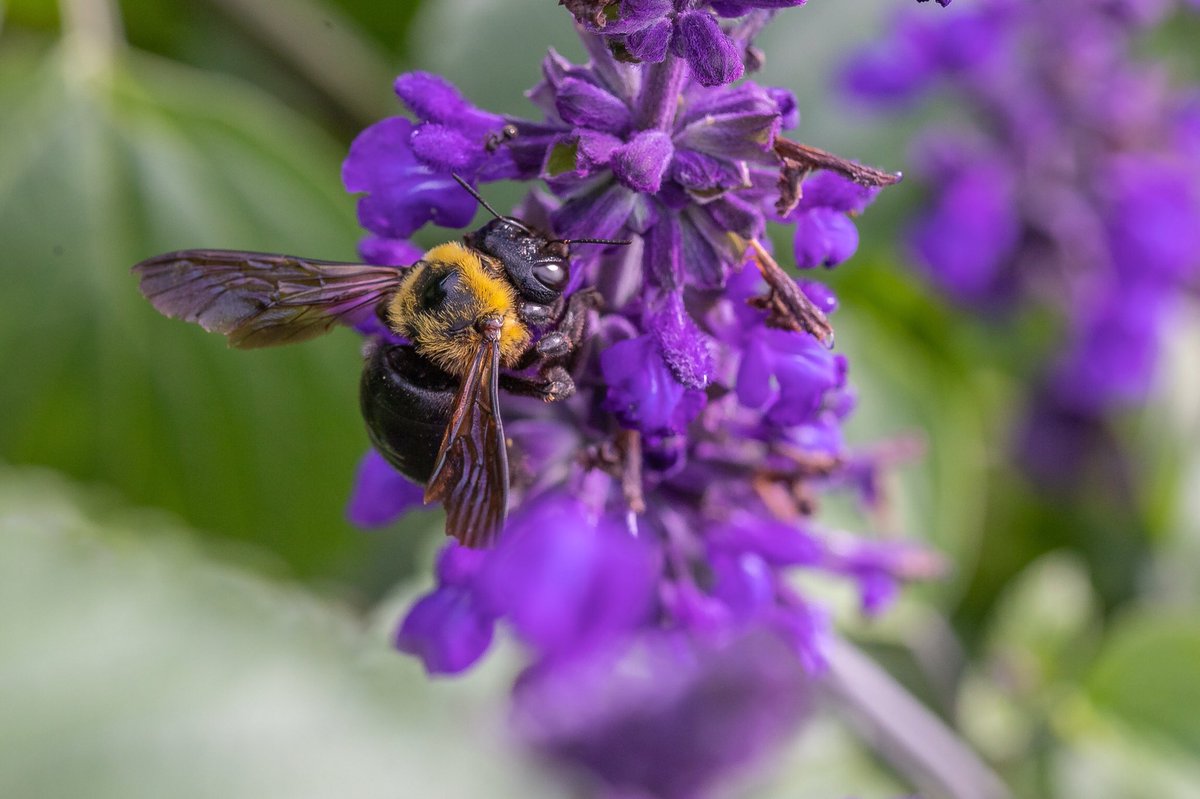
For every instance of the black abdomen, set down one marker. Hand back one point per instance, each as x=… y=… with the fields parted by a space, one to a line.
x=406 y=403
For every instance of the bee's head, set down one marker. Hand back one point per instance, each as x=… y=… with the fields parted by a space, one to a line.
x=537 y=265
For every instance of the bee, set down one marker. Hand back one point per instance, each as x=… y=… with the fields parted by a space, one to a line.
x=465 y=312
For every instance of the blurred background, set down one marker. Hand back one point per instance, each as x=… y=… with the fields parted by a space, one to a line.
x=184 y=609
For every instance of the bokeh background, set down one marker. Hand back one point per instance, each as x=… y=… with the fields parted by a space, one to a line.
x=184 y=609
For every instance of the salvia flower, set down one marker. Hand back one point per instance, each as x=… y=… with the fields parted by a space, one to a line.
x=657 y=516
x=636 y=719
x=1073 y=183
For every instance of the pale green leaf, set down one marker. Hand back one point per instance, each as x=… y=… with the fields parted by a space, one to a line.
x=133 y=665
x=1147 y=676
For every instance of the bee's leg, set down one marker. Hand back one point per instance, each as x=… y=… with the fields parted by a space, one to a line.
x=573 y=321
x=535 y=314
x=552 y=384
x=569 y=330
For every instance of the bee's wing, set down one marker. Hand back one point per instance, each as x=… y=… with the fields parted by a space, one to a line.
x=259 y=299
x=471 y=472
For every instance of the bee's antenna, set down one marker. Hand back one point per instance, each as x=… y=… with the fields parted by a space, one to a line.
x=592 y=241
x=477 y=196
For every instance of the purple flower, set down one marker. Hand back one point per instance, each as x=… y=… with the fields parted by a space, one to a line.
x=664 y=716
x=656 y=515
x=712 y=55
x=566 y=582
x=686 y=350
x=381 y=494
x=825 y=234
x=1151 y=206
x=787 y=376
x=449 y=629
x=1115 y=350
x=402 y=194
x=969 y=231
x=389 y=252
x=563 y=581
x=646 y=30
x=1071 y=185
x=751 y=549
x=405 y=168
x=643 y=393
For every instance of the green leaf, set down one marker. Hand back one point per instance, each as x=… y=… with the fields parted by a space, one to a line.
x=1103 y=760
x=1045 y=624
x=100 y=168
x=1147 y=675
x=137 y=666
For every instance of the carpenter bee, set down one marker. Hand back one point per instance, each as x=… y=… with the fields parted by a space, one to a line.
x=466 y=312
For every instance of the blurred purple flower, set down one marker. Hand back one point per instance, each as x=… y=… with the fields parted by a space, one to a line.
x=381 y=494
x=662 y=715
x=1074 y=183
x=449 y=629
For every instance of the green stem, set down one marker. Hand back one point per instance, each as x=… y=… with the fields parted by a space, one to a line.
x=93 y=30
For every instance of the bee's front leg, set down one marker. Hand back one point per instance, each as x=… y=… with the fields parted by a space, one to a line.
x=535 y=314
x=569 y=330
x=552 y=384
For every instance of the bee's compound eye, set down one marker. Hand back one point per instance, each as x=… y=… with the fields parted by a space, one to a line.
x=551 y=273
x=436 y=290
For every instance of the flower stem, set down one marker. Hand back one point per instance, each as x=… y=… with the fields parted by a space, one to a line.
x=93 y=28
x=660 y=93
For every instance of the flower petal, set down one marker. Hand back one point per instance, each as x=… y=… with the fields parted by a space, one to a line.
x=824 y=237
x=583 y=104
x=565 y=583
x=401 y=193
x=685 y=349
x=435 y=99
x=381 y=494
x=600 y=213
x=712 y=55
x=446 y=630
x=650 y=44
x=389 y=252
x=641 y=163
x=642 y=392
x=447 y=149
x=663 y=715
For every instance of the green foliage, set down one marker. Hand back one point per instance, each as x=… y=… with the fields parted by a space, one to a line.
x=102 y=165
x=1147 y=676
x=136 y=665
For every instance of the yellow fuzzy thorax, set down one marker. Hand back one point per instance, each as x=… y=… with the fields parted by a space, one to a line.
x=490 y=294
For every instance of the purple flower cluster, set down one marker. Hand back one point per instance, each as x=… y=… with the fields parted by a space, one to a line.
x=1073 y=181
x=659 y=515
x=647 y=31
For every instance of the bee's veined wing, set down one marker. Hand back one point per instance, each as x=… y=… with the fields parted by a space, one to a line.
x=470 y=476
x=261 y=299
